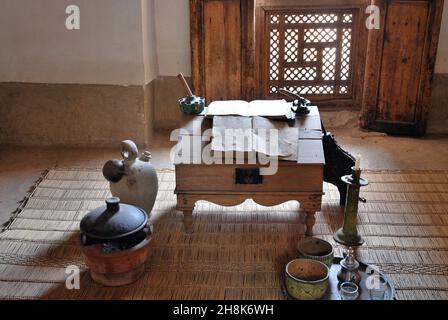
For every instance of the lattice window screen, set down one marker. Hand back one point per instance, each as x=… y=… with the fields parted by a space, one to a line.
x=310 y=53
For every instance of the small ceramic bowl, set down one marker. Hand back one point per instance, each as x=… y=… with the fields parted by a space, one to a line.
x=316 y=249
x=306 y=279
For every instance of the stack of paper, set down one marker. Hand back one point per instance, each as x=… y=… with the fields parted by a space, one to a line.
x=257 y=134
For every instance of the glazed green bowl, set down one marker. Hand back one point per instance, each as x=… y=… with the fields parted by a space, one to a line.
x=192 y=105
x=306 y=279
x=316 y=249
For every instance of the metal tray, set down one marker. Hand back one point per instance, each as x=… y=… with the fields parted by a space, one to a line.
x=333 y=288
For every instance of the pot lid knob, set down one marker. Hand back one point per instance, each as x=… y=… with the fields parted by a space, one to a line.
x=113 y=203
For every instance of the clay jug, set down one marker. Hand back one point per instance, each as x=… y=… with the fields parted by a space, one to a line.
x=133 y=179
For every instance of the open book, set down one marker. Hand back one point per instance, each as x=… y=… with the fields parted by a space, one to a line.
x=262 y=108
x=257 y=134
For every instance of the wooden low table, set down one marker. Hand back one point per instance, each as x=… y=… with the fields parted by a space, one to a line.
x=231 y=184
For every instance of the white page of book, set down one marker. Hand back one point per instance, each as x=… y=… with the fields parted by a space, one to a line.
x=247 y=134
x=267 y=108
x=228 y=107
x=286 y=140
x=232 y=133
x=274 y=108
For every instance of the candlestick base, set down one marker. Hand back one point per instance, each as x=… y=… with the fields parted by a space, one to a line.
x=353 y=239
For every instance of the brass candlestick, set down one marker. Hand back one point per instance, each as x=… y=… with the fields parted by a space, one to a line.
x=348 y=234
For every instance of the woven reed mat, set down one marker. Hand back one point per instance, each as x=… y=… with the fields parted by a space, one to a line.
x=235 y=253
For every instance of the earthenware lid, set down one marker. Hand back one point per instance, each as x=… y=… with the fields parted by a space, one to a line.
x=113 y=221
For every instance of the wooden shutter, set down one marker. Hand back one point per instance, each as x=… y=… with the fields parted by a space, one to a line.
x=222 y=48
x=401 y=58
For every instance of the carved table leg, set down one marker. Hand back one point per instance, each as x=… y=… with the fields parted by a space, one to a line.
x=188 y=220
x=311 y=206
x=186 y=204
x=310 y=221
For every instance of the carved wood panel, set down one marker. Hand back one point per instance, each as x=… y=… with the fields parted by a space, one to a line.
x=316 y=50
x=310 y=51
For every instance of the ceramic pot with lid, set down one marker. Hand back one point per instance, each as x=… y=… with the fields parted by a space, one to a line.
x=115 y=242
x=116 y=226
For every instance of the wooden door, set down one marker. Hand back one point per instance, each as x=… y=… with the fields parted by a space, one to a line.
x=216 y=41
x=400 y=64
x=222 y=49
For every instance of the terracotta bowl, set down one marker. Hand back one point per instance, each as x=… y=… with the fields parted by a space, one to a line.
x=316 y=249
x=306 y=279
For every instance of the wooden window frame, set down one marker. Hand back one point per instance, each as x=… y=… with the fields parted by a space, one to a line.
x=387 y=110
x=357 y=62
x=253 y=60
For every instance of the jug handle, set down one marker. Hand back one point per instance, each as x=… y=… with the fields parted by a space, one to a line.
x=129 y=150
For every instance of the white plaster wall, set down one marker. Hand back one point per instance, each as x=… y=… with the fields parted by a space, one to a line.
x=36 y=46
x=149 y=40
x=173 y=37
x=442 y=52
x=120 y=42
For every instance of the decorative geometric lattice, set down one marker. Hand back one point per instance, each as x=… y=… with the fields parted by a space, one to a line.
x=274 y=18
x=311 y=18
x=329 y=63
x=291 y=45
x=345 y=53
x=274 y=55
x=305 y=73
x=310 y=52
x=310 y=90
x=320 y=35
x=347 y=18
x=273 y=89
